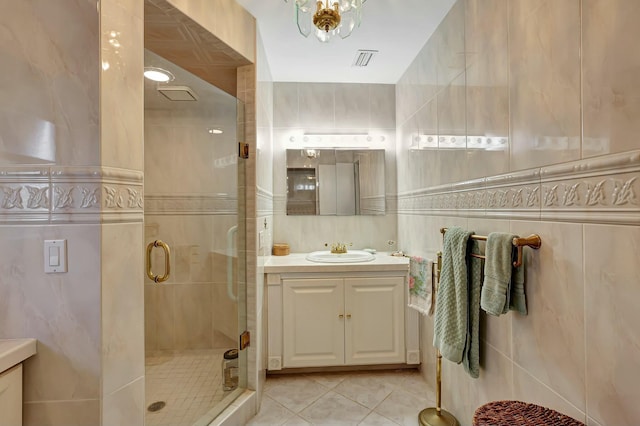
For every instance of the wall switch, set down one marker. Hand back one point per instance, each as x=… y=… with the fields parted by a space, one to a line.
x=55 y=256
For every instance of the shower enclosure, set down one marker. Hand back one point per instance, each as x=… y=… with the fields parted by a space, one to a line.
x=193 y=204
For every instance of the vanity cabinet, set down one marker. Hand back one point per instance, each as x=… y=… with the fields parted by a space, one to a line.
x=343 y=321
x=11 y=396
x=12 y=353
x=328 y=316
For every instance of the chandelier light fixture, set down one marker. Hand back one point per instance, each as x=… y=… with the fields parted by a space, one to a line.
x=327 y=18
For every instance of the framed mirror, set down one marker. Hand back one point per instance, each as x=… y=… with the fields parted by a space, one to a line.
x=332 y=182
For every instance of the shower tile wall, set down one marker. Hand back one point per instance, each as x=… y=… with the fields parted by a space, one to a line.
x=512 y=69
x=190 y=198
x=333 y=108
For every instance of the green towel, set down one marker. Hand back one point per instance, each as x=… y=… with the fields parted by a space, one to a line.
x=503 y=284
x=471 y=358
x=518 y=300
x=451 y=318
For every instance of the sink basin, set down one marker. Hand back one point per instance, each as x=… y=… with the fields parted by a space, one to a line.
x=351 y=256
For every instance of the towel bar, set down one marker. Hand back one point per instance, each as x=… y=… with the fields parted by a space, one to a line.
x=436 y=416
x=533 y=241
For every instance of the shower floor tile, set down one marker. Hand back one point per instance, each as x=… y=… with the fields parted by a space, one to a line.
x=189 y=382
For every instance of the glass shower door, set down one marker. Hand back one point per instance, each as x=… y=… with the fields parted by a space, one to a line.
x=194 y=203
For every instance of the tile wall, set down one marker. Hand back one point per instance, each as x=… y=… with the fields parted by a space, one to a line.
x=71 y=168
x=299 y=108
x=550 y=84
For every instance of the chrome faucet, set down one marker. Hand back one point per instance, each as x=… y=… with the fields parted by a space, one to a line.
x=338 y=248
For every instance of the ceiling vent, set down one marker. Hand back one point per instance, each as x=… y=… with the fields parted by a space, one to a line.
x=363 y=58
x=178 y=93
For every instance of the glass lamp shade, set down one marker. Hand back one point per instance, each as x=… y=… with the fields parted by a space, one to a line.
x=350 y=17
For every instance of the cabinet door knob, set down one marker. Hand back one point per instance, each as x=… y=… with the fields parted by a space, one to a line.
x=348 y=316
x=340 y=316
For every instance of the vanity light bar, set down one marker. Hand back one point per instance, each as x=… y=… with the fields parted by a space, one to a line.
x=489 y=143
x=336 y=137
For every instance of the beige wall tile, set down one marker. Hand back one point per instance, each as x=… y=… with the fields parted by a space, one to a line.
x=165 y=316
x=316 y=103
x=611 y=63
x=193 y=316
x=352 y=105
x=122 y=306
x=126 y=406
x=150 y=321
x=62 y=413
x=544 y=65
x=407 y=158
x=382 y=99
x=527 y=388
x=549 y=342
x=487 y=83
x=459 y=395
x=49 y=108
x=57 y=309
x=450 y=45
x=613 y=339
x=285 y=105
x=121 y=82
x=225 y=312
x=452 y=122
x=496 y=376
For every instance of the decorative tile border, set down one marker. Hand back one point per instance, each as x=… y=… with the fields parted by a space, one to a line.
x=70 y=195
x=279 y=205
x=596 y=190
x=188 y=204
x=264 y=202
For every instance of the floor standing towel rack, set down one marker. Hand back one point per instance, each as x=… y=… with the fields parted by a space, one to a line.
x=436 y=416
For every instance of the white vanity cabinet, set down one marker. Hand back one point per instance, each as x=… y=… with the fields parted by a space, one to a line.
x=12 y=353
x=11 y=396
x=342 y=321
x=340 y=315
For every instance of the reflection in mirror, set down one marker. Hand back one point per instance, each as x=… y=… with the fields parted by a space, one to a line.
x=339 y=182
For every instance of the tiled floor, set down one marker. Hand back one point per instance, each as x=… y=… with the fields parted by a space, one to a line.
x=189 y=383
x=363 y=398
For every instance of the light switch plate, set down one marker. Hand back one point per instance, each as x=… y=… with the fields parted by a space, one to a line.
x=55 y=256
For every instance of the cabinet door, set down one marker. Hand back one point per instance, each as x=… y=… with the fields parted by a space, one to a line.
x=374 y=320
x=11 y=396
x=313 y=322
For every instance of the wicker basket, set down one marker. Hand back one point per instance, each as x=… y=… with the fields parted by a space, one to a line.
x=280 y=249
x=517 y=413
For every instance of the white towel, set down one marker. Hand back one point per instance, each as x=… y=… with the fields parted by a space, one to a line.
x=421 y=285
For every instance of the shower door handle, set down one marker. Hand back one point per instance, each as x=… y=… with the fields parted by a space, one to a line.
x=167 y=262
x=231 y=233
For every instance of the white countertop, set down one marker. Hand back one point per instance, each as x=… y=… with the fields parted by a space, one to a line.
x=14 y=351
x=296 y=262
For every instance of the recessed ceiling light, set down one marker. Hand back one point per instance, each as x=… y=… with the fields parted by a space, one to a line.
x=214 y=131
x=158 y=74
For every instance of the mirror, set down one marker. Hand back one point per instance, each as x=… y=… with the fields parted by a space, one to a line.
x=340 y=182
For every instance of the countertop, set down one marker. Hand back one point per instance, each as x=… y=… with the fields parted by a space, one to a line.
x=296 y=262
x=14 y=351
